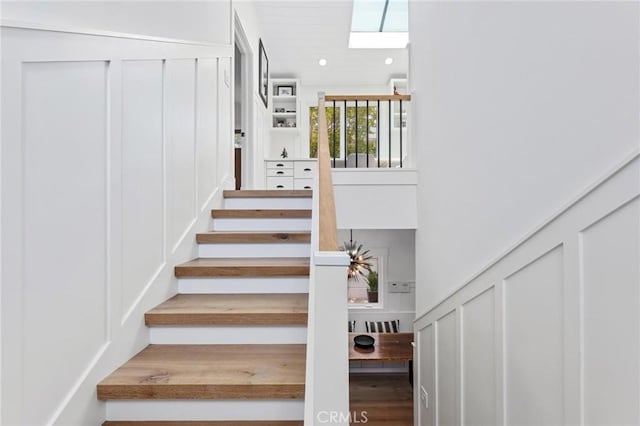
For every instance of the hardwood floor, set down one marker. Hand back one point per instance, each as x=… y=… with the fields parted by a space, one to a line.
x=386 y=398
x=209 y=372
x=204 y=423
x=259 y=214
x=230 y=309
x=248 y=237
x=244 y=267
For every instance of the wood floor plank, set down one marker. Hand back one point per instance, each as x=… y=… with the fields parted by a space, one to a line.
x=230 y=309
x=260 y=213
x=297 y=193
x=244 y=267
x=209 y=372
x=253 y=237
x=386 y=398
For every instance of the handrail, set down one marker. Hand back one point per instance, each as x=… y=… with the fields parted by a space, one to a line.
x=327 y=370
x=328 y=223
x=350 y=98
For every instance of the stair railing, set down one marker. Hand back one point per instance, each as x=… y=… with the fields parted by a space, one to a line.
x=369 y=131
x=327 y=369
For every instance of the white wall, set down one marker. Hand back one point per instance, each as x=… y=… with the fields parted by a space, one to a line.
x=398 y=246
x=205 y=21
x=550 y=334
x=376 y=198
x=517 y=107
x=113 y=152
x=522 y=109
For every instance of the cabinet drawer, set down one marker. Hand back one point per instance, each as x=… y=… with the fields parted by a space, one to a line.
x=305 y=169
x=279 y=183
x=279 y=165
x=303 y=184
x=279 y=172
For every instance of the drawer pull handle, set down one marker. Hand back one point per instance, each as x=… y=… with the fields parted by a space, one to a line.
x=307 y=187
x=280 y=186
x=279 y=165
x=279 y=172
x=307 y=170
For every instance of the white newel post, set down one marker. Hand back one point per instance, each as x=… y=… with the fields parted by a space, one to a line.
x=327 y=388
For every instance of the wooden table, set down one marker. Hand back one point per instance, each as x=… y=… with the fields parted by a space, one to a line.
x=388 y=347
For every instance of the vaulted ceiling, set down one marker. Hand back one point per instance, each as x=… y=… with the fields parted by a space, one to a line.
x=296 y=34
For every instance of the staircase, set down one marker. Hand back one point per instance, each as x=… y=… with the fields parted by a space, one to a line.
x=229 y=348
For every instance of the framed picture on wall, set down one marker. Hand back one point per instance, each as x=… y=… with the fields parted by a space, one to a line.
x=263 y=74
x=285 y=90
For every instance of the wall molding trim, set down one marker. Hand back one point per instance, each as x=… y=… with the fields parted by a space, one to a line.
x=558 y=311
x=78 y=384
x=111 y=131
x=8 y=23
x=629 y=159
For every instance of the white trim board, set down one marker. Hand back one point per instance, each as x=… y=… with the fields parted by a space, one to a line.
x=633 y=156
x=8 y=23
x=559 y=311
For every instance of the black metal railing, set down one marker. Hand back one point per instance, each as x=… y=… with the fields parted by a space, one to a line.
x=368 y=130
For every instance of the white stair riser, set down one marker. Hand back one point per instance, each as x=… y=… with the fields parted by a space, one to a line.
x=229 y=335
x=267 y=203
x=241 y=285
x=276 y=224
x=156 y=410
x=255 y=250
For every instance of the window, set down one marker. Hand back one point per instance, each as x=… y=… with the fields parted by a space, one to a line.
x=334 y=148
x=358 y=290
x=366 y=140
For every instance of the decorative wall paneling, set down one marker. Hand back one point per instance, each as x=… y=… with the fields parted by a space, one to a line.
x=114 y=149
x=550 y=333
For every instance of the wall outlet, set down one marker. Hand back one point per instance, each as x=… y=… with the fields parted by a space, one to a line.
x=400 y=287
x=424 y=397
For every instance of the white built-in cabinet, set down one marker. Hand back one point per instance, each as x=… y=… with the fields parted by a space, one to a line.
x=284 y=134
x=285 y=104
x=284 y=126
x=290 y=174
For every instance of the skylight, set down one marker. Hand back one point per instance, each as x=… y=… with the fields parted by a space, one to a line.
x=379 y=24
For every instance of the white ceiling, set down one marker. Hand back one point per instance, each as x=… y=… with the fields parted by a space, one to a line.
x=298 y=33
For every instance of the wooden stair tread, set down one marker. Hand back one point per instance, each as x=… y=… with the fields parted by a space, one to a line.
x=297 y=193
x=209 y=372
x=244 y=267
x=260 y=213
x=205 y=423
x=253 y=237
x=230 y=309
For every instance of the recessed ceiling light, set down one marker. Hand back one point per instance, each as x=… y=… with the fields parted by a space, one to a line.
x=388 y=61
x=322 y=62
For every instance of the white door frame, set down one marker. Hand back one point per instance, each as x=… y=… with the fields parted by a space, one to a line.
x=249 y=148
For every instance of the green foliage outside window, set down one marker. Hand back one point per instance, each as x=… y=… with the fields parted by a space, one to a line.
x=363 y=132
x=313 y=127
